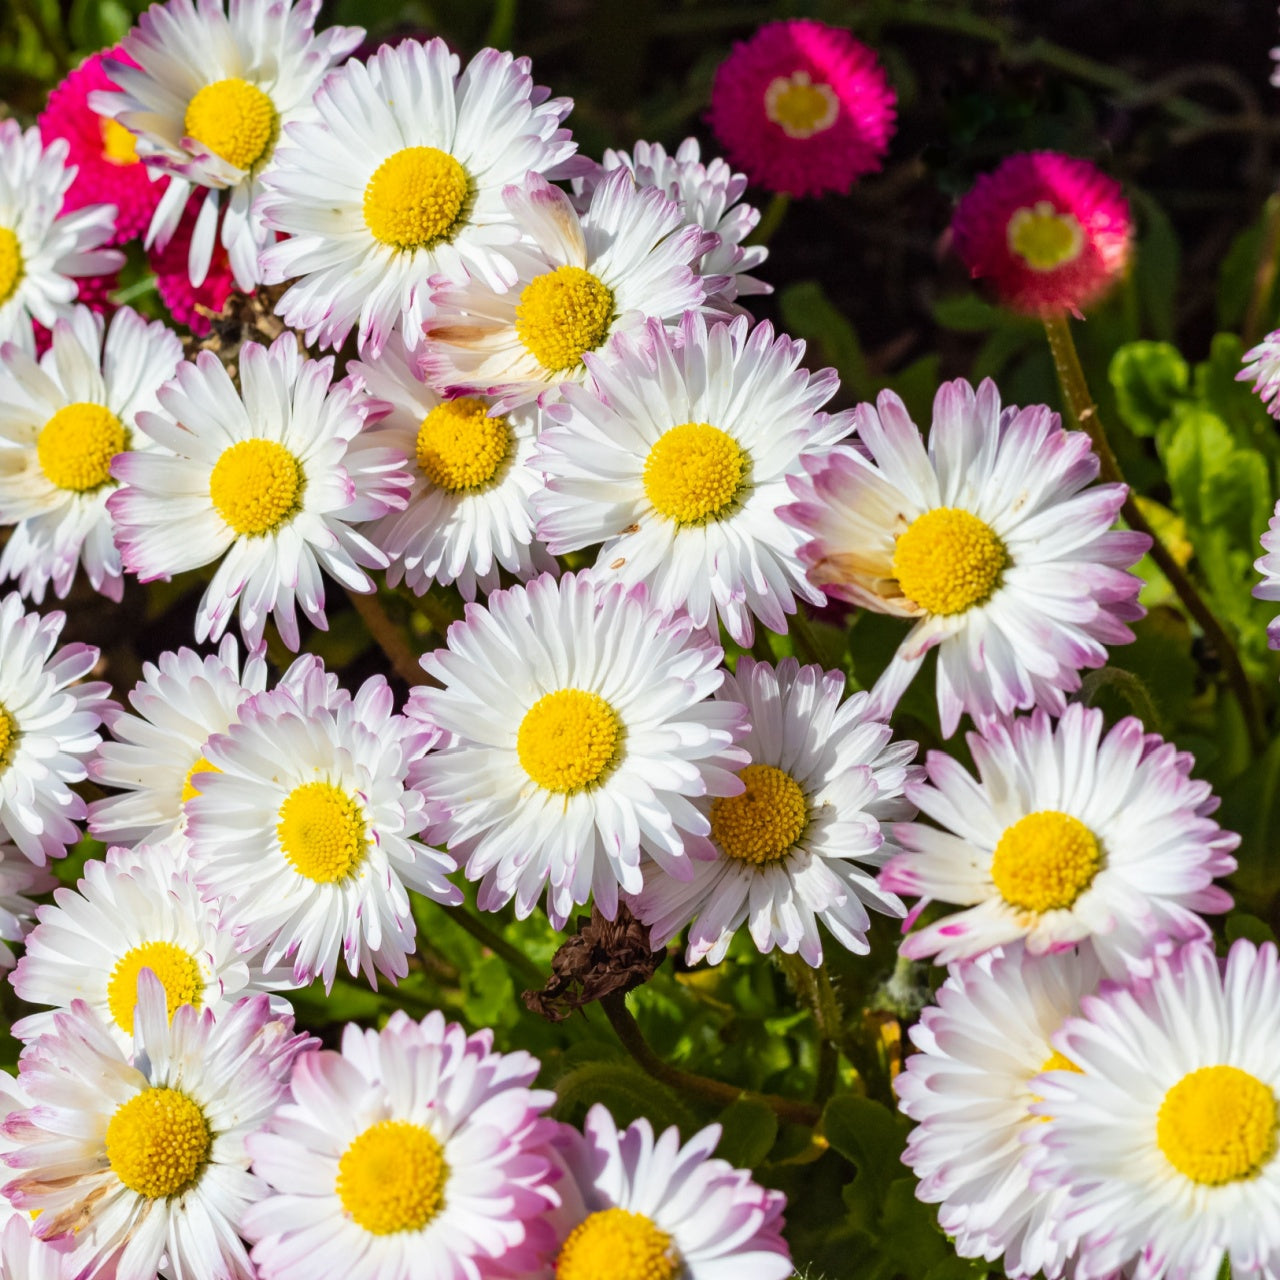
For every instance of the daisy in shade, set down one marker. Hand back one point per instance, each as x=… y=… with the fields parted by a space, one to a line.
x=1269 y=566
x=400 y=179
x=1262 y=368
x=980 y=1053
x=48 y=728
x=802 y=842
x=206 y=90
x=630 y=256
x=141 y=1152
x=103 y=151
x=1165 y=1136
x=181 y=298
x=42 y=250
x=1051 y=233
x=270 y=479
x=676 y=457
x=803 y=107
x=644 y=1208
x=62 y=421
x=305 y=834
x=993 y=541
x=581 y=732
x=1066 y=837
x=416 y=1153
x=470 y=511
x=20 y=884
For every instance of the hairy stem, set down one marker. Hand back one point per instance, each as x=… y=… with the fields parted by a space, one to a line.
x=388 y=637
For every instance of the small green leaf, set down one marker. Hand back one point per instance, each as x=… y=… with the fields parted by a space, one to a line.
x=866 y=1133
x=1149 y=379
x=1240 y=924
x=626 y=1092
x=750 y=1130
x=808 y=313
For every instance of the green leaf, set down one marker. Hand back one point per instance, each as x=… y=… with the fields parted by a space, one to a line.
x=750 y=1130
x=1157 y=266
x=866 y=1133
x=968 y=313
x=626 y=1092
x=911 y=1236
x=808 y=313
x=1240 y=924
x=1235 y=402
x=1251 y=807
x=1149 y=379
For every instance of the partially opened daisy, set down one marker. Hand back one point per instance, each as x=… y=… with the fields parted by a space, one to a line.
x=417 y=1153
x=61 y=424
x=400 y=179
x=580 y=733
x=1067 y=837
x=1165 y=1137
x=579 y=281
x=141 y=1152
x=801 y=844
x=994 y=541
x=980 y=1052
x=206 y=91
x=270 y=479
x=675 y=459
x=20 y=884
x=1262 y=368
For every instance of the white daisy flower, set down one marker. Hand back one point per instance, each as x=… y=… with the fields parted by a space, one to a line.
x=709 y=196
x=416 y=1154
x=676 y=457
x=992 y=541
x=142 y=1153
x=24 y=1256
x=400 y=179
x=1262 y=368
x=1165 y=1137
x=271 y=479
x=20 y=884
x=579 y=281
x=980 y=1052
x=62 y=421
x=1065 y=837
x=470 y=510
x=304 y=833
x=48 y=728
x=801 y=844
x=1269 y=566
x=212 y=89
x=581 y=731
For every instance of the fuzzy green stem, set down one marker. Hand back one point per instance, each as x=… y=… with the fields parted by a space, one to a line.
x=774 y=212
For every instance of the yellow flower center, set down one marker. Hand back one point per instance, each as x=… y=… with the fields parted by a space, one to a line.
x=12 y=268
x=799 y=107
x=321 y=831
x=460 y=448
x=569 y=740
x=763 y=823
x=392 y=1178
x=1045 y=861
x=1218 y=1125
x=177 y=970
x=119 y=145
x=948 y=561
x=8 y=737
x=157 y=1142
x=416 y=198
x=1044 y=238
x=1057 y=1062
x=189 y=789
x=235 y=120
x=76 y=445
x=618 y=1244
x=256 y=485
x=562 y=315
x=695 y=473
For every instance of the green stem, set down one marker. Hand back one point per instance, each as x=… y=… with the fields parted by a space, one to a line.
x=388 y=637
x=1264 y=277
x=503 y=26
x=771 y=220
x=495 y=942
x=802 y=629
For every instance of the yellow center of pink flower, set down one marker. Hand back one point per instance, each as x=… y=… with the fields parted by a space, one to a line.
x=235 y=120
x=1045 y=861
x=460 y=448
x=1044 y=238
x=119 y=145
x=799 y=107
x=1218 y=1125
x=618 y=1244
x=763 y=823
x=392 y=1178
x=416 y=198
x=322 y=832
x=569 y=740
x=255 y=486
x=189 y=789
x=694 y=473
x=948 y=561
x=12 y=268
x=157 y=1142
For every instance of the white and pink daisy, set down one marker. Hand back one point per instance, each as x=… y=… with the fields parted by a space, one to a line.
x=1268 y=565
x=1262 y=368
x=20 y=884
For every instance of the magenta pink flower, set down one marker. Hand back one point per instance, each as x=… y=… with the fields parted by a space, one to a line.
x=803 y=108
x=1052 y=232
x=173 y=279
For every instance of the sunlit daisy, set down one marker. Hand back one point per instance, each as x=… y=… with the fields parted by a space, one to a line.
x=61 y=424
x=270 y=478
x=1066 y=837
x=994 y=541
x=415 y=1154
x=580 y=735
x=801 y=844
x=629 y=257
x=207 y=92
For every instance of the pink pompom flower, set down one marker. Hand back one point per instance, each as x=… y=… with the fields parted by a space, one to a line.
x=173 y=281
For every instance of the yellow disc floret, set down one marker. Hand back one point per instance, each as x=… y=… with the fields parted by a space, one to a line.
x=416 y=198
x=619 y=1244
x=763 y=823
x=157 y=1143
x=1044 y=238
x=322 y=832
x=76 y=445
x=256 y=485
x=562 y=315
x=119 y=145
x=695 y=472
x=177 y=970
x=235 y=120
x=1218 y=1125
x=1045 y=861
x=569 y=740
x=799 y=107
x=1057 y=1062
x=460 y=448
x=948 y=561
x=8 y=737
x=392 y=1178
x=12 y=267
x=189 y=789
